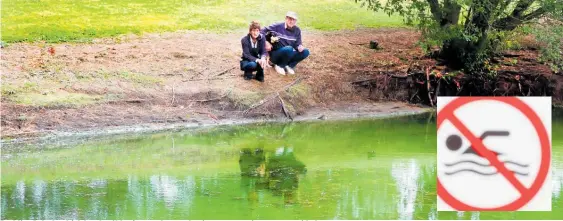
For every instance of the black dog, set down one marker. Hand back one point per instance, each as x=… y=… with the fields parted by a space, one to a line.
x=275 y=41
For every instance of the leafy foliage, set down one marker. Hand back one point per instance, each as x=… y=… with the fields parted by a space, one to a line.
x=551 y=41
x=469 y=32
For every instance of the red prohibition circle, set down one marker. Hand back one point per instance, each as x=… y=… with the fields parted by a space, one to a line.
x=525 y=197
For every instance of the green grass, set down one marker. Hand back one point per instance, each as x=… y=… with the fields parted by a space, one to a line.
x=299 y=90
x=83 y=20
x=139 y=78
x=55 y=99
x=245 y=99
x=39 y=95
x=54 y=90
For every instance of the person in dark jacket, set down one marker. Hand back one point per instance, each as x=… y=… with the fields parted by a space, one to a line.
x=285 y=44
x=253 y=53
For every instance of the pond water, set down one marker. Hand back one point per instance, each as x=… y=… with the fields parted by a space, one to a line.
x=359 y=169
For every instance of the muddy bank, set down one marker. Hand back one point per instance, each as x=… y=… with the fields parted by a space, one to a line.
x=159 y=80
x=352 y=111
x=424 y=81
x=418 y=87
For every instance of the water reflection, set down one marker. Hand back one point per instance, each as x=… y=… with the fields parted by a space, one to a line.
x=405 y=189
x=277 y=171
x=19 y=194
x=166 y=189
x=406 y=175
x=209 y=177
x=557 y=179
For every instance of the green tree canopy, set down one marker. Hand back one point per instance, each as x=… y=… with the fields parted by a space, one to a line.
x=470 y=31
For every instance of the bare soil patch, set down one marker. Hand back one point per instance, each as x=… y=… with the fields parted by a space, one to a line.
x=191 y=77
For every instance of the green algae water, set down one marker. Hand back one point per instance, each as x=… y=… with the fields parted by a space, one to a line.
x=359 y=169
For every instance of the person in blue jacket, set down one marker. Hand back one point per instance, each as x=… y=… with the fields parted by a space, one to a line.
x=285 y=44
x=253 y=53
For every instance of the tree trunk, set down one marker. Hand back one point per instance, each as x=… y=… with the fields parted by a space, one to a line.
x=467 y=54
x=446 y=15
x=451 y=13
x=435 y=9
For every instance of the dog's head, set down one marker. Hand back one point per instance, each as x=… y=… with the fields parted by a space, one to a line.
x=270 y=35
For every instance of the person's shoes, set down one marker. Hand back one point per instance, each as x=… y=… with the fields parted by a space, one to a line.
x=248 y=78
x=280 y=70
x=289 y=70
x=259 y=77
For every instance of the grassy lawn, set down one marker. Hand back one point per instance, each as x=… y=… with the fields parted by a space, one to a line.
x=83 y=20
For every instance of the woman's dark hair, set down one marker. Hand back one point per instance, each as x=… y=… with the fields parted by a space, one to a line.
x=253 y=25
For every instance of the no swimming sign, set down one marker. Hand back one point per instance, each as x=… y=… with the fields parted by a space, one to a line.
x=494 y=154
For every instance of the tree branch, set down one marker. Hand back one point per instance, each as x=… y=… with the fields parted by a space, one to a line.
x=522 y=6
x=535 y=14
x=516 y=18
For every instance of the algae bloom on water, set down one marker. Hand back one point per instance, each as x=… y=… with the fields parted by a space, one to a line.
x=360 y=169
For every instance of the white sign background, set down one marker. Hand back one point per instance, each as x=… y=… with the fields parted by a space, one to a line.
x=521 y=146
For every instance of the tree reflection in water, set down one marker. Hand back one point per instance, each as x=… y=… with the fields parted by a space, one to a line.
x=277 y=171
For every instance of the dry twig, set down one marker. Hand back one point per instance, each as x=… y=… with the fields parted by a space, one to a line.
x=273 y=95
x=284 y=109
x=428 y=86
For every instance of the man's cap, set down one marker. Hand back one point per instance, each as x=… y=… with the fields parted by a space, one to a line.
x=291 y=14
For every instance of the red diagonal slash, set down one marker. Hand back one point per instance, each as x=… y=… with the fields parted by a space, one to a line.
x=483 y=151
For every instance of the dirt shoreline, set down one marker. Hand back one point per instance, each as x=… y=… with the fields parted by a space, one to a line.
x=63 y=138
x=119 y=84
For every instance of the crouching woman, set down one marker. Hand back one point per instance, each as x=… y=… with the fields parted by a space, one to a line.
x=253 y=53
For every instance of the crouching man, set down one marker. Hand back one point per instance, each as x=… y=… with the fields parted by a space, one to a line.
x=285 y=46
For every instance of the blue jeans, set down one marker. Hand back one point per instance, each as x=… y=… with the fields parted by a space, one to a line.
x=250 y=66
x=287 y=56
